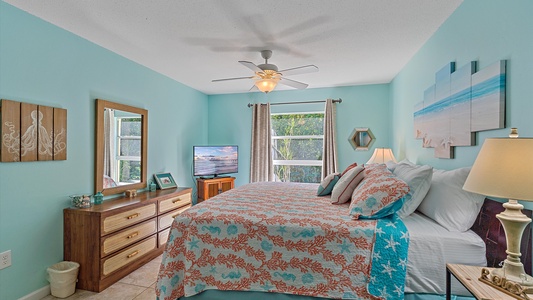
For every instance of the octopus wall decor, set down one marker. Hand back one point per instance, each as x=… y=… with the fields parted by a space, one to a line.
x=32 y=132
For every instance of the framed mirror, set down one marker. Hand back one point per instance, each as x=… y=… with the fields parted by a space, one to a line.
x=361 y=138
x=120 y=147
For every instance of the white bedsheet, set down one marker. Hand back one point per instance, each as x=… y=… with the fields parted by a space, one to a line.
x=431 y=247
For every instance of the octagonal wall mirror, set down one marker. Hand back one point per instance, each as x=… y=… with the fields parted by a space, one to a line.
x=361 y=139
x=120 y=147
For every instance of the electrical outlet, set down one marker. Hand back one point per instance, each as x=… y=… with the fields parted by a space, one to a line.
x=5 y=259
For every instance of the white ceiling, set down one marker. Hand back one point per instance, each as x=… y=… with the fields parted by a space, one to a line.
x=352 y=42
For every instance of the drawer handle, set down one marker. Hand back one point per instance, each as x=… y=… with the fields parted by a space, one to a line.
x=133 y=216
x=176 y=200
x=133 y=254
x=133 y=235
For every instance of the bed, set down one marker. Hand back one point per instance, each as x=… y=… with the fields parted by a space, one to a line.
x=280 y=237
x=281 y=241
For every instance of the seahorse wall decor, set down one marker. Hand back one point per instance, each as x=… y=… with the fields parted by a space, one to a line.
x=31 y=132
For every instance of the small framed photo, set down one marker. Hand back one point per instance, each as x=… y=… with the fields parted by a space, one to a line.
x=164 y=181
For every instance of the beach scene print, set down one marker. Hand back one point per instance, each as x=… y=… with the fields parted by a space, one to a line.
x=460 y=103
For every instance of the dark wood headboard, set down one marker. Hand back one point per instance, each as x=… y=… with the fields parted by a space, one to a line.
x=489 y=228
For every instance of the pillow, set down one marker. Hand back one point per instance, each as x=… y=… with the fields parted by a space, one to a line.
x=342 y=191
x=448 y=204
x=419 y=180
x=391 y=165
x=327 y=184
x=379 y=195
x=348 y=168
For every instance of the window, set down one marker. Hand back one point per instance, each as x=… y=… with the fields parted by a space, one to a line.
x=128 y=150
x=297 y=142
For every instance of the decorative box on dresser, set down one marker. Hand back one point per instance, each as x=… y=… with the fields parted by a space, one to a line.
x=210 y=187
x=114 y=238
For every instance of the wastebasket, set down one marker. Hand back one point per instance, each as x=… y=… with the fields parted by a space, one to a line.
x=63 y=277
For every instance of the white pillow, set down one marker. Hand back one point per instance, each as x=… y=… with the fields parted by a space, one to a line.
x=342 y=191
x=448 y=204
x=391 y=165
x=419 y=180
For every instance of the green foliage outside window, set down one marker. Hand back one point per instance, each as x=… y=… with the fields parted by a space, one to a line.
x=293 y=147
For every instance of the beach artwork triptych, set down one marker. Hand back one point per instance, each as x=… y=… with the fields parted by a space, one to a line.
x=462 y=102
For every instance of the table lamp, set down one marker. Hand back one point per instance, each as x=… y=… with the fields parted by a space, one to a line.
x=504 y=169
x=381 y=156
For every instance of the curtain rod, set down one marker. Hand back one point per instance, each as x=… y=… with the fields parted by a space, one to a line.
x=301 y=102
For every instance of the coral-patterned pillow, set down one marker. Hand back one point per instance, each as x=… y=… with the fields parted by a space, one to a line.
x=380 y=194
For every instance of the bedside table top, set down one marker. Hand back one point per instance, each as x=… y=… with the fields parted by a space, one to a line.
x=469 y=277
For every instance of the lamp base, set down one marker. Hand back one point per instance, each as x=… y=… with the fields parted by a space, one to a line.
x=513 y=223
x=524 y=279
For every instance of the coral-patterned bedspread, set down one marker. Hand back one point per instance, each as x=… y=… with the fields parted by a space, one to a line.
x=281 y=237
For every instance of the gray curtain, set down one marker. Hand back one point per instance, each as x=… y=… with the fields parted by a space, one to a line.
x=329 y=153
x=261 y=167
x=109 y=143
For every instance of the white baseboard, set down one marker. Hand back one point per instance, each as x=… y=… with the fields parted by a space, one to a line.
x=38 y=294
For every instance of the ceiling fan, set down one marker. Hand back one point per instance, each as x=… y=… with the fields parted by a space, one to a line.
x=267 y=76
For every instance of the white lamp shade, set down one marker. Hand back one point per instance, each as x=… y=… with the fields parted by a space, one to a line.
x=381 y=155
x=503 y=169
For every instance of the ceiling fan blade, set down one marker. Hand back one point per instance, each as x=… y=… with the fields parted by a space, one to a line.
x=235 y=78
x=251 y=66
x=293 y=83
x=299 y=70
x=253 y=88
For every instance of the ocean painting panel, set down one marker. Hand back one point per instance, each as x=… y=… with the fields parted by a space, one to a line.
x=460 y=106
x=440 y=122
x=417 y=124
x=488 y=97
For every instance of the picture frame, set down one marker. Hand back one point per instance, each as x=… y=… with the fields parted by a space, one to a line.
x=165 y=181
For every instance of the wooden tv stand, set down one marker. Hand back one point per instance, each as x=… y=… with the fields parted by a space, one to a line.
x=210 y=187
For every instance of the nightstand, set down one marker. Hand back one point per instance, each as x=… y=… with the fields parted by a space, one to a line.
x=469 y=278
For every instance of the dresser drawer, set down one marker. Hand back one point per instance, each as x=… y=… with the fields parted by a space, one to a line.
x=163 y=237
x=167 y=219
x=127 y=218
x=128 y=255
x=127 y=237
x=174 y=202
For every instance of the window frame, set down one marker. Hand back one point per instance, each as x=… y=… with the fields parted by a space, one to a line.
x=297 y=162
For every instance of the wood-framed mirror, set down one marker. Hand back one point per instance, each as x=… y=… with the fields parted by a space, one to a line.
x=121 y=145
x=361 y=139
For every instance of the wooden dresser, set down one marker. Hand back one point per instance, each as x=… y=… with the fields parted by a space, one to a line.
x=112 y=239
x=211 y=187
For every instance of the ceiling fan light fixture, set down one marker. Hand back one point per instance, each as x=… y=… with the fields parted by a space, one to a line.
x=266 y=85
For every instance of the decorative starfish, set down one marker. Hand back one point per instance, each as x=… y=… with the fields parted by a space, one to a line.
x=193 y=243
x=282 y=230
x=405 y=235
x=344 y=247
x=388 y=269
x=391 y=243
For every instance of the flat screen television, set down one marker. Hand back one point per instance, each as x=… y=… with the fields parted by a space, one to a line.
x=215 y=160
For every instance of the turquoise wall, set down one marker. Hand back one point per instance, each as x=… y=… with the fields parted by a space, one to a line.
x=482 y=31
x=43 y=64
x=230 y=119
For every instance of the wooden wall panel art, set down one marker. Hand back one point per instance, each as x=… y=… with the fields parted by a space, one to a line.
x=31 y=132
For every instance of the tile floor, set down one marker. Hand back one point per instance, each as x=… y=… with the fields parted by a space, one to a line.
x=138 y=285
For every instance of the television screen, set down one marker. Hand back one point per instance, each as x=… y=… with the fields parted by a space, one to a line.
x=215 y=160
